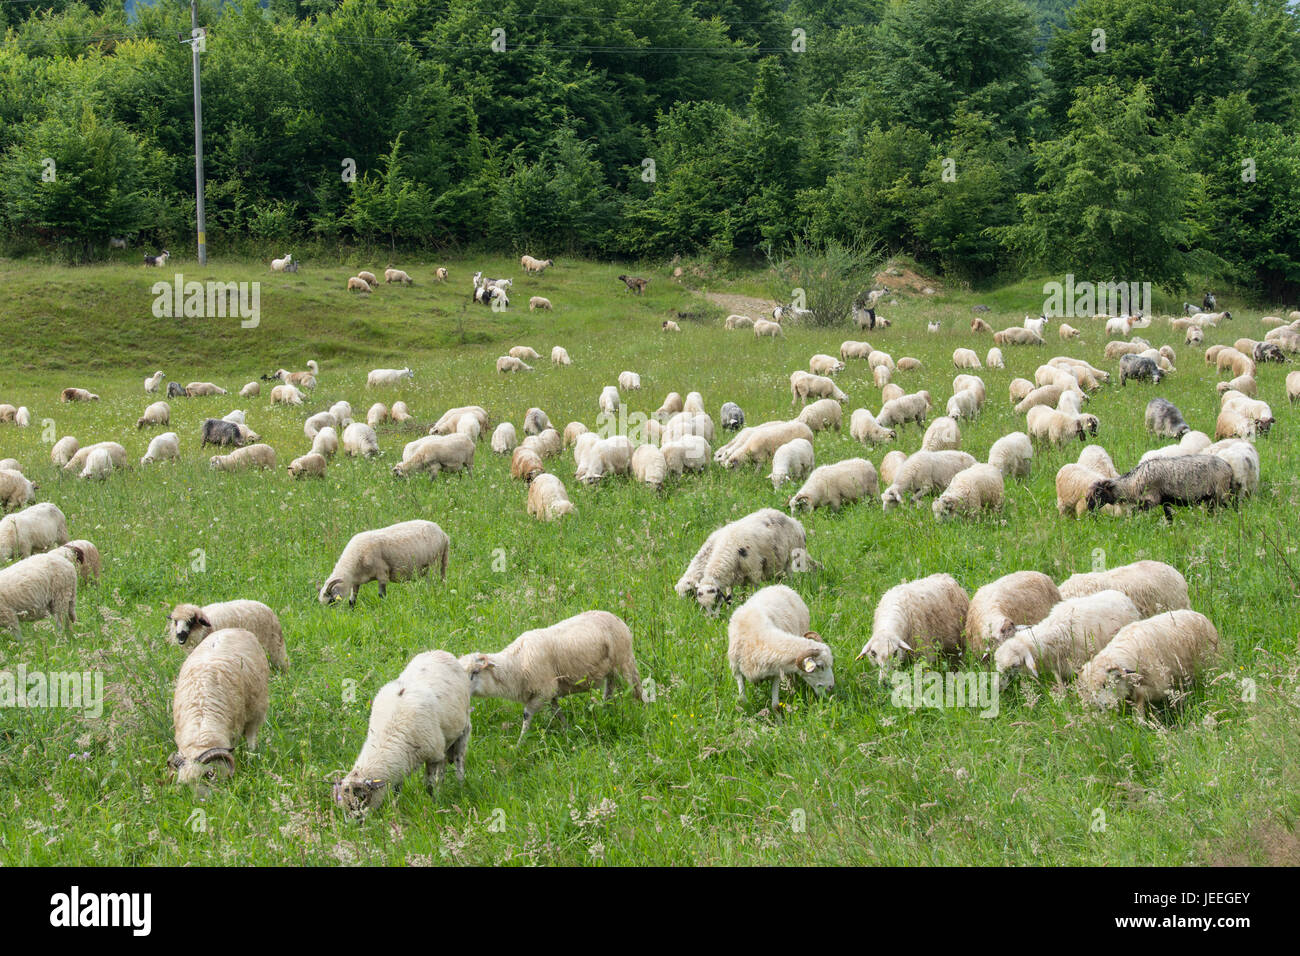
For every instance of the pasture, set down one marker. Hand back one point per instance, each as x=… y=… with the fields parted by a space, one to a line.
x=696 y=775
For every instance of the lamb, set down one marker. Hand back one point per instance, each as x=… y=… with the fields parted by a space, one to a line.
x=39 y=586
x=572 y=431
x=326 y=443
x=251 y=390
x=629 y=381
x=733 y=419
x=925 y=617
x=526 y=464
x=1165 y=420
x=1056 y=427
x=377 y=414
x=359 y=440
x=971 y=491
x=768 y=637
x=1013 y=455
x=858 y=350
x=608 y=456
x=505 y=439
x=387 y=376
x=1258 y=412
x=1149 y=659
x=560 y=356
x=942 y=435
x=203 y=390
x=822 y=414
x=999 y=607
x=1019 y=388
x=421 y=718
x=835 y=485
x=221 y=696
x=152 y=383
x=77 y=395
x=547 y=499
x=311 y=465
x=249 y=456
x=450 y=420
x=544 y=664
x=890 y=465
x=759 y=444
x=78 y=461
x=909 y=408
x=792 y=461
x=286 y=395
x=189 y=625
x=964 y=404
x=398 y=552
x=805 y=385
x=737 y=322
x=1075 y=630
x=159 y=413
x=751 y=549
x=99 y=464
x=358 y=284
x=925 y=472
x=965 y=358
x=649 y=467
x=994 y=358
x=1017 y=336
x=85 y=557
x=15 y=490
x=762 y=327
x=535 y=266
x=689 y=453
x=435 y=454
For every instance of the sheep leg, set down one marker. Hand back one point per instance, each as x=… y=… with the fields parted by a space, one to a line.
x=609 y=686
x=557 y=713
x=530 y=708
x=433 y=774
x=776 y=691
x=740 y=687
x=457 y=754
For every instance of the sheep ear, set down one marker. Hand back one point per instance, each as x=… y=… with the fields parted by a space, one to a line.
x=1029 y=664
x=202 y=620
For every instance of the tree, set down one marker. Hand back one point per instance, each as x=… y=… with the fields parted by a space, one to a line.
x=390 y=204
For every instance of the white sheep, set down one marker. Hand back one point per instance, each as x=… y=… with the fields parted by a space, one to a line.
x=99 y=464
x=890 y=465
x=792 y=461
x=1013 y=454
x=560 y=356
x=359 y=440
x=972 y=490
x=398 y=552
x=964 y=404
x=63 y=450
x=996 y=609
x=377 y=414
x=572 y=431
x=159 y=413
x=762 y=327
x=397 y=275
x=965 y=358
x=750 y=550
x=735 y=321
x=994 y=358
x=504 y=439
x=805 y=385
x=447 y=424
x=609 y=400
x=437 y=453
x=286 y=395
x=388 y=376
x=203 y=389
x=78 y=461
x=1060 y=644
x=923 y=617
x=851 y=349
x=249 y=456
x=188 y=625
x=540 y=666
x=399 y=412
x=535 y=266
x=942 y=435
x=759 y=444
x=37 y=587
x=1149 y=659
x=15 y=489
x=277 y=265
x=221 y=697
x=694 y=403
x=910 y=408
x=925 y=472
x=310 y=465
x=153 y=381
x=326 y=443
x=822 y=364
x=822 y=414
x=835 y=485
x=547 y=498
x=864 y=428
x=629 y=381
x=688 y=453
x=1155 y=587
x=420 y=719
x=164 y=447
x=769 y=637
x=649 y=466
x=607 y=456
x=546 y=443
x=251 y=390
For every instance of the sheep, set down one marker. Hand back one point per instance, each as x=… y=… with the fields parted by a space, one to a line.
x=1232 y=423
x=450 y=420
x=1194 y=336
x=10 y=464
x=175 y=390
x=609 y=400
x=311 y=465
x=1242 y=383
x=398 y=552
x=421 y=718
x=890 y=465
x=159 y=413
x=1243 y=459
x=1257 y=411
x=891 y=392
x=688 y=453
x=504 y=439
x=358 y=284
x=77 y=395
x=1067 y=331
x=388 y=376
x=881 y=375
x=759 y=444
x=188 y=625
x=909 y=408
x=835 y=485
x=435 y=454
x=469 y=427
x=750 y=550
x=203 y=390
x=1055 y=427
x=38 y=586
x=77 y=462
x=23 y=417
x=629 y=381
x=1097 y=459
x=547 y=499
x=546 y=443
x=971 y=491
x=1017 y=336
x=249 y=456
x=572 y=431
x=221 y=696
x=649 y=466
x=877 y=358
x=738 y=322
x=970 y=383
x=733 y=419
x=525 y=464
x=999 y=607
x=15 y=489
x=1155 y=587
x=560 y=356
x=251 y=390
x=608 y=456
x=377 y=414
x=979 y=325
x=694 y=403
x=326 y=443
x=822 y=414
x=857 y=350
x=1165 y=420
x=152 y=383
x=762 y=327
x=1191 y=443
x=85 y=557
x=286 y=395
x=1013 y=455
x=670 y=326
x=1292 y=387
x=942 y=435
x=925 y=617
x=994 y=358
x=1062 y=643
x=99 y=464
x=1045 y=395
x=965 y=358
x=1238 y=362
x=359 y=440
x=686 y=423
x=768 y=637
x=672 y=405
x=792 y=461
x=1019 y=389
x=805 y=385
x=1074 y=483
x=964 y=404
x=1149 y=659
x=925 y=472
x=822 y=364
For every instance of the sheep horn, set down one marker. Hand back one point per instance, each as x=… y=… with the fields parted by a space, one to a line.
x=217 y=753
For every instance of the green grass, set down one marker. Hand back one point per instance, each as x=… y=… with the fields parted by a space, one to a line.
x=695 y=776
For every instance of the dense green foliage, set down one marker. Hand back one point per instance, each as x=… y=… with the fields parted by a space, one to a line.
x=980 y=137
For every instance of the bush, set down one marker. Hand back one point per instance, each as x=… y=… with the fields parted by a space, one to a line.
x=831 y=275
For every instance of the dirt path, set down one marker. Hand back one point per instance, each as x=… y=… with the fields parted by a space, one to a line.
x=743 y=304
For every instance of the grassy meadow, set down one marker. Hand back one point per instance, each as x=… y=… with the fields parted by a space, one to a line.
x=696 y=776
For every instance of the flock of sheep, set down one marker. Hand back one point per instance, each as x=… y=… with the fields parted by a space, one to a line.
x=1127 y=635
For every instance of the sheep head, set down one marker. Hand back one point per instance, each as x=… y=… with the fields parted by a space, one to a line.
x=815 y=668
x=484 y=676
x=187 y=625
x=332 y=591
x=358 y=795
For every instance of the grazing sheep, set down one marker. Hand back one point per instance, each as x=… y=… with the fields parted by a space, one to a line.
x=822 y=364
x=546 y=443
x=1096 y=458
x=835 y=485
x=1256 y=411
x=1017 y=336
x=925 y=472
x=759 y=444
x=1139 y=368
x=326 y=443
x=203 y=390
x=1242 y=383
x=688 y=453
x=877 y=358
x=397 y=275
x=23 y=417
x=890 y=465
x=738 y=322
x=421 y=718
x=805 y=385
x=175 y=390
x=1155 y=587
x=450 y=420
x=965 y=358
x=1232 y=423
x=377 y=414
x=1075 y=630
x=1046 y=396
x=994 y=358
x=979 y=325
x=1074 y=484
x=251 y=390
x=38 y=586
x=572 y=431
x=560 y=356
x=649 y=467
x=358 y=284
x=971 y=491
x=539 y=666
x=526 y=464
x=891 y=392
x=970 y=383
x=387 y=376
x=1148 y=659
x=1194 y=336
x=1067 y=331
x=1019 y=389
x=609 y=400
x=1185 y=480
x=311 y=465
x=881 y=375
x=77 y=462
x=608 y=456
x=762 y=327
x=792 y=461
x=964 y=404
x=1056 y=427
x=359 y=440
x=1013 y=455
x=1015 y=599
x=398 y=552
x=286 y=395
x=909 y=408
x=152 y=383
x=508 y=363
x=159 y=413
x=99 y=464
x=249 y=456
x=733 y=419
x=768 y=638
x=629 y=381
x=1192 y=443
x=942 y=435
x=822 y=414
x=15 y=490
x=535 y=266
x=505 y=439
x=670 y=326
x=1292 y=387
x=1165 y=420
x=750 y=550
x=536 y=421
x=1243 y=459
x=923 y=617
x=10 y=464
x=85 y=557
x=908 y=364
x=672 y=405
x=547 y=499
x=189 y=625
x=856 y=350
x=435 y=454
x=77 y=395
x=221 y=696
